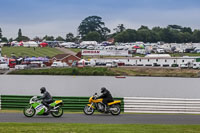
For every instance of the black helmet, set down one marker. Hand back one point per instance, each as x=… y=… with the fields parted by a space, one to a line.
x=103 y=89
x=42 y=90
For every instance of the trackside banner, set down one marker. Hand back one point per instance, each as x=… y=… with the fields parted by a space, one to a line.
x=105 y=53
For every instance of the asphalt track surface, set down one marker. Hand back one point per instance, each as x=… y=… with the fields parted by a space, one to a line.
x=104 y=119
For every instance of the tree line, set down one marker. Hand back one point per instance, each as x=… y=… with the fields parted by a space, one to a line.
x=92 y=28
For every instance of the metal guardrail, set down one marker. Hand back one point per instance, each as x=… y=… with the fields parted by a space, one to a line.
x=161 y=105
x=70 y=103
x=0 y=102
x=129 y=104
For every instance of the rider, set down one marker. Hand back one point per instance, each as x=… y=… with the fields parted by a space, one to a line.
x=107 y=97
x=46 y=98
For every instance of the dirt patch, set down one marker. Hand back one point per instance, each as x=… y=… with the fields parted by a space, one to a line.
x=66 y=51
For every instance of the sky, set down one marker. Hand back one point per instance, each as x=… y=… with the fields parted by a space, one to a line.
x=59 y=17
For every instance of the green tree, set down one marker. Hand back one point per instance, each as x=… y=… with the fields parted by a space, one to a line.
x=19 y=33
x=128 y=35
x=120 y=28
x=196 y=36
x=1 y=34
x=59 y=38
x=93 y=24
x=21 y=37
x=156 y=34
x=37 y=39
x=48 y=38
x=70 y=37
x=186 y=29
x=175 y=27
x=93 y=36
x=4 y=39
x=10 y=40
x=143 y=27
x=144 y=34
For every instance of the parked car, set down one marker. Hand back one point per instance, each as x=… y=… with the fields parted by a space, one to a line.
x=4 y=66
x=29 y=66
x=21 y=67
x=59 y=64
x=184 y=66
x=111 y=64
x=90 y=47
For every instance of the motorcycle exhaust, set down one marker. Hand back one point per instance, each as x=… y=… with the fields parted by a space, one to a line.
x=53 y=110
x=113 y=109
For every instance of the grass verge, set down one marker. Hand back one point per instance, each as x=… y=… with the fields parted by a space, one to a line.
x=103 y=71
x=95 y=128
x=67 y=71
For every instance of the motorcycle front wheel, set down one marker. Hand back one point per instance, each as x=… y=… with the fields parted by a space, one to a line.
x=57 y=113
x=116 y=110
x=29 y=111
x=88 y=110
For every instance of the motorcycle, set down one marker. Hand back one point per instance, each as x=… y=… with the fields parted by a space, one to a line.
x=97 y=104
x=36 y=107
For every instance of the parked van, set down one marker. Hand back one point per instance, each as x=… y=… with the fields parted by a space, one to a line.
x=196 y=65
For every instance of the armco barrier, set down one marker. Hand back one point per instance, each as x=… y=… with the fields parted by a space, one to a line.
x=161 y=105
x=70 y=103
x=0 y=102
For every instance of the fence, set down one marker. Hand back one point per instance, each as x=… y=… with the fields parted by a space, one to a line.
x=129 y=104
x=0 y=102
x=70 y=103
x=161 y=105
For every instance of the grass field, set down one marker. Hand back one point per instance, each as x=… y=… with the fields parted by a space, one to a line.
x=103 y=71
x=24 y=51
x=95 y=128
x=76 y=50
x=184 y=54
x=156 y=72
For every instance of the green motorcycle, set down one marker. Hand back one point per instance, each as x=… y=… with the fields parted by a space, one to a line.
x=35 y=107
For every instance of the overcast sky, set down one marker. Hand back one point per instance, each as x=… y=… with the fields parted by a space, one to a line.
x=59 y=17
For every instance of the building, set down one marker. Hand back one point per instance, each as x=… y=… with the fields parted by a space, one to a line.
x=67 y=58
x=154 y=61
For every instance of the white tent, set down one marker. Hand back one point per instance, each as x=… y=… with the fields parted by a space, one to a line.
x=30 y=44
x=88 y=43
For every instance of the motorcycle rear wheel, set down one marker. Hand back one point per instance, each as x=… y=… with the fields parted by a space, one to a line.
x=88 y=110
x=118 y=110
x=57 y=113
x=29 y=111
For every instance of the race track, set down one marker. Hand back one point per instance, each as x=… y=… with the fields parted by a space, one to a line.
x=104 y=119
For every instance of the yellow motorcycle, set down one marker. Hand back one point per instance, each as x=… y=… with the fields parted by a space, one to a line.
x=97 y=104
